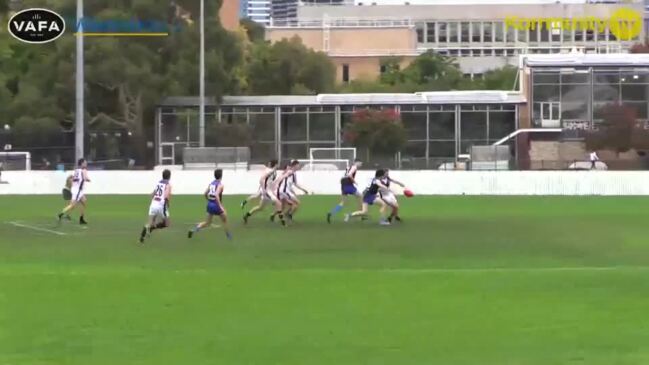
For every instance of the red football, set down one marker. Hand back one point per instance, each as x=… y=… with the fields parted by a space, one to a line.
x=408 y=193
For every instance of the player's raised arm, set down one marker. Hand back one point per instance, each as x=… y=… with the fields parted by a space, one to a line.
x=397 y=182
x=300 y=187
x=381 y=185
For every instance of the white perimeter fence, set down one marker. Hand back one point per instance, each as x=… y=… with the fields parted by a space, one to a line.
x=326 y=182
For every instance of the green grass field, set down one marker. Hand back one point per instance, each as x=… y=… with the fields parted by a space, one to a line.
x=464 y=280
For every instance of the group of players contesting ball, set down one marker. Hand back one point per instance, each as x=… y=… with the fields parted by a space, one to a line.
x=276 y=188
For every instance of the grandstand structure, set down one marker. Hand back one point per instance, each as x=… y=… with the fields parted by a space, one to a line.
x=561 y=95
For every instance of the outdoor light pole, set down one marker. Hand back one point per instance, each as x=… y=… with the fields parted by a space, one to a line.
x=201 y=110
x=78 y=129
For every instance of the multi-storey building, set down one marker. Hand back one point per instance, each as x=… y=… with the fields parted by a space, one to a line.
x=258 y=10
x=481 y=34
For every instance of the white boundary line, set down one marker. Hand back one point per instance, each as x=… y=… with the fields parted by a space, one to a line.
x=17 y=224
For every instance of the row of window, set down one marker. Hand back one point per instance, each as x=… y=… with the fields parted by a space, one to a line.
x=498 y=32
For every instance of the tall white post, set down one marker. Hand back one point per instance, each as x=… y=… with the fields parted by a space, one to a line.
x=79 y=114
x=201 y=111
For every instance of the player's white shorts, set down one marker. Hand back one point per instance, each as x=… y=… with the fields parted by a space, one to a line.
x=77 y=194
x=266 y=196
x=288 y=196
x=158 y=210
x=389 y=198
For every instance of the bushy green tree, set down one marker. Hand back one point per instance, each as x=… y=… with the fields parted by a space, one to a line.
x=280 y=67
x=378 y=132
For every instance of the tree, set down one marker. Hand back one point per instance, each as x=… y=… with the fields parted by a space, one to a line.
x=255 y=31
x=125 y=77
x=640 y=47
x=619 y=131
x=279 y=67
x=499 y=79
x=379 y=132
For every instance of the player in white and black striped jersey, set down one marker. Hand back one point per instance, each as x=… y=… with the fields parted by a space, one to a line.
x=286 y=203
x=265 y=185
x=270 y=166
x=79 y=180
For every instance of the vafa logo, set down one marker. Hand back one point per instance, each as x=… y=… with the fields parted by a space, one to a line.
x=36 y=25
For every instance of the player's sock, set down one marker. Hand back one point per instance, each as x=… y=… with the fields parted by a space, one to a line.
x=60 y=216
x=228 y=235
x=243 y=203
x=397 y=218
x=336 y=209
x=161 y=225
x=143 y=234
x=246 y=216
x=281 y=217
x=390 y=219
x=82 y=220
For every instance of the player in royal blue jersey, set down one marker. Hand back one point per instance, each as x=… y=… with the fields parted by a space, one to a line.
x=370 y=197
x=347 y=188
x=214 y=196
x=159 y=208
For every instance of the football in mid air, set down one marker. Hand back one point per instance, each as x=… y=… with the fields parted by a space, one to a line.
x=408 y=193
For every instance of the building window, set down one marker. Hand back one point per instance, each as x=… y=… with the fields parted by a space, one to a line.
x=420 y=35
x=590 y=35
x=534 y=34
x=346 y=73
x=545 y=32
x=430 y=32
x=465 y=31
x=452 y=32
x=522 y=35
x=579 y=35
x=476 y=32
x=443 y=30
x=488 y=32
x=499 y=31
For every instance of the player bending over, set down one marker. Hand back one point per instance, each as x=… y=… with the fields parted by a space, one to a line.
x=265 y=184
x=347 y=188
x=214 y=196
x=389 y=197
x=159 y=208
x=79 y=178
x=270 y=166
x=279 y=190
x=371 y=196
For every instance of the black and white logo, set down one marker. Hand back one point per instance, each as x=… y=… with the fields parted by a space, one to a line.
x=36 y=25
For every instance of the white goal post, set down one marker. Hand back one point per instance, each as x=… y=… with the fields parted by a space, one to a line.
x=329 y=158
x=10 y=160
x=332 y=153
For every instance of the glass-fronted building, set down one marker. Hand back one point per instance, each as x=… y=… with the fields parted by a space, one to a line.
x=440 y=125
x=563 y=95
